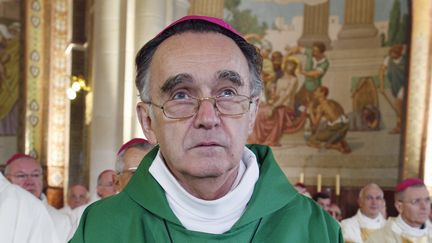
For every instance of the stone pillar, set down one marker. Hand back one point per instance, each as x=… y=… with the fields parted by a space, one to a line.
x=212 y=8
x=180 y=8
x=150 y=18
x=107 y=117
x=58 y=104
x=358 y=30
x=315 y=24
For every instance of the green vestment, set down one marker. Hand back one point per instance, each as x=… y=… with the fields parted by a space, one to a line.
x=275 y=213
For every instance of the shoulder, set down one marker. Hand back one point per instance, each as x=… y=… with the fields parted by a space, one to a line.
x=310 y=212
x=349 y=222
x=318 y=225
x=118 y=207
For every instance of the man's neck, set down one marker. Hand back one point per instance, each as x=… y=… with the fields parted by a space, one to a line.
x=371 y=216
x=412 y=224
x=211 y=188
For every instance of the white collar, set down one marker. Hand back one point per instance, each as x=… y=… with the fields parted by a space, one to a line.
x=402 y=228
x=210 y=216
x=370 y=223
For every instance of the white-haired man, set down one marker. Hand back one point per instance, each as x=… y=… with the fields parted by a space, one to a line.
x=368 y=218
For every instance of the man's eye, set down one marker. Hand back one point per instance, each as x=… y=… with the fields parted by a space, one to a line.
x=227 y=92
x=180 y=95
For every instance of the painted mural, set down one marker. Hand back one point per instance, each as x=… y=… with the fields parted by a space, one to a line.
x=334 y=73
x=10 y=29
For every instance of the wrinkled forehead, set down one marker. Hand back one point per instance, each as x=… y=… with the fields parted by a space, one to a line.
x=200 y=55
x=78 y=189
x=415 y=192
x=24 y=164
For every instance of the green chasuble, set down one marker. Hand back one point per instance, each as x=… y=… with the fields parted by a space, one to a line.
x=275 y=213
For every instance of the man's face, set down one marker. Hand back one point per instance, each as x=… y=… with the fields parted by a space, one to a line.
x=26 y=173
x=316 y=52
x=78 y=195
x=324 y=203
x=131 y=158
x=415 y=206
x=105 y=187
x=371 y=202
x=207 y=145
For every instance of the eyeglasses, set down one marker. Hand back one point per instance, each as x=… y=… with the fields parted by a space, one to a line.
x=234 y=105
x=23 y=176
x=128 y=170
x=417 y=201
x=377 y=198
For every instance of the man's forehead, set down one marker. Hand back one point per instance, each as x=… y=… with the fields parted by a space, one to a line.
x=416 y=191
x=192 y=50
x=373 y=191
x=27 y=163
x=78 y=188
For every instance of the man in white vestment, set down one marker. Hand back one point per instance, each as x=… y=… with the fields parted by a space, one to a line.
x=77 y=195
x=24 y=171
x=23 y=218
x=368 y=218
x=412 y=201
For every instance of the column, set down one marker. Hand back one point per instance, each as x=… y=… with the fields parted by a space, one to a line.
x=212 y=8
x=107 y=116
x=180 y=8
x=358 y=30
x=58 y=104
x=150 y=18
x=315 y=24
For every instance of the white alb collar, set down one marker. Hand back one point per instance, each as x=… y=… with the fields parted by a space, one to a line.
x=401 y=227
x=214 y=216
x=370 y=223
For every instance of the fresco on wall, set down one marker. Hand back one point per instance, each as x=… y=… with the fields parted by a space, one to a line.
x=10 y=30
x=334 y=73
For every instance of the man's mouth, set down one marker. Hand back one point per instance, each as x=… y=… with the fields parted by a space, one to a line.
x=208 y=144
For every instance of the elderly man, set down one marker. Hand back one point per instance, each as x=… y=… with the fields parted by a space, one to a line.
x=77 y=195
x=129 y=157
x=24 y=171
x=105 y=184
x=23 y=218
x=199 y=82
x=412 y=201
x=368 y=218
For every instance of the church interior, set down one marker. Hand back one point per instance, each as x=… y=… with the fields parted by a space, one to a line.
x=68 y=95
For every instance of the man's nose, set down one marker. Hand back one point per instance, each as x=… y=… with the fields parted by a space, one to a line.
x=207 y=115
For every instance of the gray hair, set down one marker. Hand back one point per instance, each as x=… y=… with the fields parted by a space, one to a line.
x=370 y=185
x=145 y=55
x=119 y=164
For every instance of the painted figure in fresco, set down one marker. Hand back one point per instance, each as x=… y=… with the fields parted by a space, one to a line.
x=333 y=132
x=9 y=77
x=277 y=116
x=394 y=69
x=314 y=69
x=365 y=115
x=268 y=74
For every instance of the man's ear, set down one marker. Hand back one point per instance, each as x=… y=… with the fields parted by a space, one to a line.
x=144 y=118
x=398 y=206
x=253 y=114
